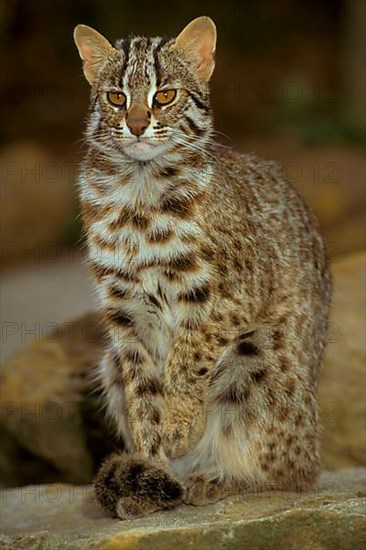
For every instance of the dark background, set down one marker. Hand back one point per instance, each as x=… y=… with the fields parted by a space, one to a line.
x=289 y=84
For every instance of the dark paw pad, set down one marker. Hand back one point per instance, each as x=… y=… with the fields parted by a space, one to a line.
x=132 y=487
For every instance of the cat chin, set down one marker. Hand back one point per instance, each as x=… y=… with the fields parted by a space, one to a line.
x=143 y=151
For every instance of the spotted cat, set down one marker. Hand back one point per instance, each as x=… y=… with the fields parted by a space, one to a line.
x=212 y=279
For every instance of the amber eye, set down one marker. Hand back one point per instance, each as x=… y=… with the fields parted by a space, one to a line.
x=118 y=99
x=164 y=97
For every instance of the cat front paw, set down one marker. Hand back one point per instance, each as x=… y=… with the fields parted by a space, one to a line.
x=129 y=487
x=200 y=490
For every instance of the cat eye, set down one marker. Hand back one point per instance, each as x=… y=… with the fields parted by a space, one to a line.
x=164 y=97
x=118 y=99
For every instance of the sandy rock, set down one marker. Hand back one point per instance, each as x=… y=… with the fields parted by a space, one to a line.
x=67 y=517
x=50 y=409
x=32 y=419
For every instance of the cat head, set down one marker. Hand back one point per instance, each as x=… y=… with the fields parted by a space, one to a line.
x=149 y=95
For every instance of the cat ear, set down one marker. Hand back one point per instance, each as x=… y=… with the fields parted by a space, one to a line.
x=93 y=49
x=197 y=44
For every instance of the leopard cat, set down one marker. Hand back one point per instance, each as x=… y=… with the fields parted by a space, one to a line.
x=212 y=280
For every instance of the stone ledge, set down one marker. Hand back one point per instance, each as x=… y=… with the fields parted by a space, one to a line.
x=61 y=516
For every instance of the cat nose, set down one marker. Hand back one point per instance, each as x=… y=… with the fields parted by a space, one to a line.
x=137 y=126
x=137 y=119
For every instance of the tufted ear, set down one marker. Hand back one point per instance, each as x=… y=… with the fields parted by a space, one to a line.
x=197 y=44
x=93 y=49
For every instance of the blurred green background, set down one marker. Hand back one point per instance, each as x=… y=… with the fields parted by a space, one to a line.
x=289 y=85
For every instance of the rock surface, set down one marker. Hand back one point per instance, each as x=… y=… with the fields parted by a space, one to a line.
x=51 y=421
x=61 y=516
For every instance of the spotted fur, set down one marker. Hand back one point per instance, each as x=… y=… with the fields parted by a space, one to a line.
x=213 y=280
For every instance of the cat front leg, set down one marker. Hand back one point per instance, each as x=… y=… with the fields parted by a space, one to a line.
x=139 y=482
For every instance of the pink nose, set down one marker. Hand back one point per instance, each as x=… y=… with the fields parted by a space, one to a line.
x=137 y=126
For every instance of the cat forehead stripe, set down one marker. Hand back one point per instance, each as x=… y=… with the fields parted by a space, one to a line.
x=141 y=57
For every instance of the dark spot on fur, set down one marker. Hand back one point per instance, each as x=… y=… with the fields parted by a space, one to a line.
x=197 y=295
x=202 y=371
x=183 y=263
x=258 y=376
x=224 y=291
x=247 y=348
x=221 y=340
x=103 y=243
x=123 y=217
x=149 y=386
x=235 y=319
x=179 y=206
x=139 y=221
x=168 y=172
x=117 y=292
x=207 y=253
x=102 y=271
x=118 y=317
x=197 y=356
